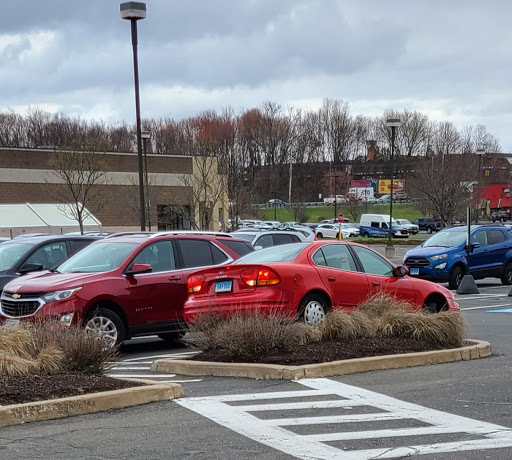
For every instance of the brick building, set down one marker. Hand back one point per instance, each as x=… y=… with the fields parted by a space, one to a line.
x=25 y=176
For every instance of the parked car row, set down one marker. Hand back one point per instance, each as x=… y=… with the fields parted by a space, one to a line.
x=139 y=284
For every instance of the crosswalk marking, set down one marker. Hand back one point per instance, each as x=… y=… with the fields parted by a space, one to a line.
x=272 y=429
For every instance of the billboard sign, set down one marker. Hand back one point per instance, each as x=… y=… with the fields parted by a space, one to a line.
x=385 y=186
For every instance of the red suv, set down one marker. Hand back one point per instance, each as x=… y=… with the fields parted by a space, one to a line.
x=123 y=286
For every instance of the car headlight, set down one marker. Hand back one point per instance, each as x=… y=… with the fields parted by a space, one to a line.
x=439 y=257
x=60 y=295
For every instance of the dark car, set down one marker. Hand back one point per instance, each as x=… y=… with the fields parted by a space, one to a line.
x=427 y=224
x=501 y=216
x=20 y=256
x=122 y=286
x=444 y=256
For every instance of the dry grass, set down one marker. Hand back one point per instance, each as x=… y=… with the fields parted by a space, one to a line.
x=244 y=335
x=249 y=335
x=47 y=348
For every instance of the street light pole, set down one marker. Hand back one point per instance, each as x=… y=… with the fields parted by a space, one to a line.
x=145 y=136
x=135 y=11
x=290 y=184
x=480 y=153
x=392 y=123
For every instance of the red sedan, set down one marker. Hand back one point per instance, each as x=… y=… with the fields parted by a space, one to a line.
x=308 y=280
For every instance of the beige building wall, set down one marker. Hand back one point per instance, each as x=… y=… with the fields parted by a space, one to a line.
x=25 y=177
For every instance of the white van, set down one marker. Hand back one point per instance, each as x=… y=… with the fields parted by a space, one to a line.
x=381 y=221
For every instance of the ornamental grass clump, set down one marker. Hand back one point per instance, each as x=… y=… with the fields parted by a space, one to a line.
x=341 y=325
x=249 y=335
x=46 y=348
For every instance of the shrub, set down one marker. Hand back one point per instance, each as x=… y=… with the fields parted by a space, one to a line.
x=48 y=348
x=244 y=335
x=345 y=326
x=381 y=303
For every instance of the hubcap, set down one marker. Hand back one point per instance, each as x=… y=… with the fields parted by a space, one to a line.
x=104 y=327
x=314 y=313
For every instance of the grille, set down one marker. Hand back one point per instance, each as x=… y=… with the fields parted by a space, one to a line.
x=417 y=262
x=19 y=308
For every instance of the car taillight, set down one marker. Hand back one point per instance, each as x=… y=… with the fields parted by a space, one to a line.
x=195 y=283
x=259 y=277
x=315 y=238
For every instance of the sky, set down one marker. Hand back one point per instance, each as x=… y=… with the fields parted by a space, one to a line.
x=449 y=59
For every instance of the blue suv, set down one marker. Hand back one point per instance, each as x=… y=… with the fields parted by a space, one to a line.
x=443 y=257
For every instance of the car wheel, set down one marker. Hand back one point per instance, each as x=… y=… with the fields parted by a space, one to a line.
x=502 y=220
x=429 y=230
x=319 y=235
x=366 y=235
x=455 y=278
x=172 y=337
x=434 y=305
x=107 y=324
x=312 y=309
x=506 y=277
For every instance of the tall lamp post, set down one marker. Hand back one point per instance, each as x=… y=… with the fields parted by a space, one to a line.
x=480 y=153
x=392 y=123
x=145 y=136
x=135 y=11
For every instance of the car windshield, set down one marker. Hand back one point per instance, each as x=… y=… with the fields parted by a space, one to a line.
x=283 y=253
x=446 y=239
x=245 y=236
x=10 y=254
x=98 y=257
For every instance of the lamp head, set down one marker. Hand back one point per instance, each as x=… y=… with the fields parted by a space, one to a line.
x=133 y=10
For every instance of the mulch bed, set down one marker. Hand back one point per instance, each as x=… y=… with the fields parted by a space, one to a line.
x=16 y=390
x=323 y=352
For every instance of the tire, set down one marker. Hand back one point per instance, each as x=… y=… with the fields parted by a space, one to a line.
x=312 y=309
x=108 y=324
x=456 y=276
x=433 y=305
x=172 y=337
x=506 y=277
x=429 y=230
x=319 y=235
x=366 y=235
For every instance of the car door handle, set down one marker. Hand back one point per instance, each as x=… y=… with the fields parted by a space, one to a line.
x=331 y=278
x=174 y=278
x=375 y=283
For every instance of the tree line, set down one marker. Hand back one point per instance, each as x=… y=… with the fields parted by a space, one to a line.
x=256 y=146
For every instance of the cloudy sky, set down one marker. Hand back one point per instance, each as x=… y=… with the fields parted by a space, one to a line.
x=449 y=59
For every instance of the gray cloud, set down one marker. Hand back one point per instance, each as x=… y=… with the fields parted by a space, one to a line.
x=449 y=59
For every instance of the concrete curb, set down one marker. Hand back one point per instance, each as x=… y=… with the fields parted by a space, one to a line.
x=16 y=414
x=474 y=350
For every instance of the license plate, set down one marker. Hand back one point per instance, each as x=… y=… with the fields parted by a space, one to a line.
x=223 y=286
x=12 y=322
x=414 y=271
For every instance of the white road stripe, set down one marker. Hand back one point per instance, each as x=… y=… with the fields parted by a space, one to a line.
x=273 y=432
x=487 y=307
x=141 y=376
x=135 y=368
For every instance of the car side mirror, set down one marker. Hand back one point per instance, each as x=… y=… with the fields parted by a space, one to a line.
x=257 y=248
x=473 y=246
x=27 y=268
x=135 y=269
x=400 y=271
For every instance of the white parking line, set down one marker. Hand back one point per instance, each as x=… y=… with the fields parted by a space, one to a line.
x=486 y=307
x=273 y=432
x=141 y=376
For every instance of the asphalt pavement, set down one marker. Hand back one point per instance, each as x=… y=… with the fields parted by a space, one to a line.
x=460 y=410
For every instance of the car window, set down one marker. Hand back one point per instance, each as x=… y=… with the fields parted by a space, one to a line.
x=10 y=254
x=159 y=255
x=49 y=256
x=495 y=236
x=479 y=237
x=282 y=253
x=240 y=247
x=200 y=253
x=335 y=256
x=265 y=241
x=285 y=239
x=372 y=262
x=76 y=245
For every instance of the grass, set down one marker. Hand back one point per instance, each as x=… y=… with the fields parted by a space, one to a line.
x=317 y=214
x=255 y=334
x=48 y=349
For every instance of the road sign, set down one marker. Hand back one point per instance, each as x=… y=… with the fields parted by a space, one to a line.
x=340 y=217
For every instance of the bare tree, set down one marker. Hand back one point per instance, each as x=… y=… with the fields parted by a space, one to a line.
x=81 y=173
x=442 y=186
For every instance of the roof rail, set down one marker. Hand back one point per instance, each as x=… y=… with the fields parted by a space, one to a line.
x=118 y=234
x=190 y=232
